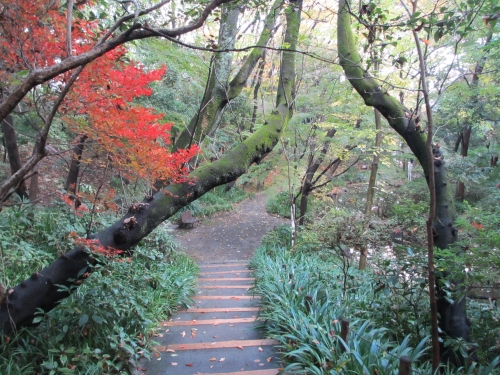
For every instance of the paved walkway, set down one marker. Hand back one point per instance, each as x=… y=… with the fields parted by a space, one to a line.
x=218 y=334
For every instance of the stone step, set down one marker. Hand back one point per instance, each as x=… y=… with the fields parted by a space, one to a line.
x=223 y=360
x=238 y=344
x=218 y=334
x=256 y=372
x=208 y=333
x=193 y=322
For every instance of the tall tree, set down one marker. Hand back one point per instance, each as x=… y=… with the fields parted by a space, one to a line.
x=219 y=90
x=465 y=133
x=10 y=139
x=43 y=56
x=43 y=289
x=452 y=314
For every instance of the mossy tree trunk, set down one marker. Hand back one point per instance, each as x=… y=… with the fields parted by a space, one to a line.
x=219 y=92
x=42 y=289
x=466 y=132
x=453 y=320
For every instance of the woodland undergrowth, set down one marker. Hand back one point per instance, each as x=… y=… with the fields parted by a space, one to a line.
x=107 y=324
x=306 y=292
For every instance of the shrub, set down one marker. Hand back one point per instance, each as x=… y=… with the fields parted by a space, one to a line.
x=279 y=204
x=104 y=326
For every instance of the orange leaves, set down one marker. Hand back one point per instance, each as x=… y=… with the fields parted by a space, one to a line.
x=100 y=104
x=133 y=135
x=95 y=247
x=477 y=225
x=34 y=35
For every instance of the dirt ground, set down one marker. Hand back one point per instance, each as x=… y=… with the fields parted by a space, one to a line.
x=229 y=236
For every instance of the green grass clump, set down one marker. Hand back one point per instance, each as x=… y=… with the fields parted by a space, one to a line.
x=213 y=202
x=279 y=204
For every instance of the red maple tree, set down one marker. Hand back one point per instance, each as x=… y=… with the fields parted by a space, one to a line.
x=33 y=35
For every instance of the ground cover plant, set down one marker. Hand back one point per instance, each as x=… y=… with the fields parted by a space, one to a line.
x=106 y=325
x=217 y=200
x=305 y=295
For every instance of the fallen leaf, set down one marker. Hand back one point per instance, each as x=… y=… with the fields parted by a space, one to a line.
x=157 y=354
x=256 y=360
x=183 y=333
x=261 y=364
x=189 y=364
x=269 y=359
x=216 y=337
x=260 y=349
x=222 y=359
x=213 y=359
x=239 y=347
x=170 y=351
x=173 y=363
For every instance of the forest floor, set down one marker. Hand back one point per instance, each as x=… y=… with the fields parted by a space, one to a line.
x=229 y=236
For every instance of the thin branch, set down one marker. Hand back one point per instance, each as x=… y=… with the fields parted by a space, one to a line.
x=69 y=21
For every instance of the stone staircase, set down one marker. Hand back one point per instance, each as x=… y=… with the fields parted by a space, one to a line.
x=218 y=335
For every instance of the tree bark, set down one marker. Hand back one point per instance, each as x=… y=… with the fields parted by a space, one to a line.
x=15 y=162
x=215 y=97
x=312 y=168
x=453 y=320
x=374 y=166
x=260 y=72
x=74 y=168
x=35 y=178
x=219 y=93
x=466 y=131
x=41 y=290
x=464 y=149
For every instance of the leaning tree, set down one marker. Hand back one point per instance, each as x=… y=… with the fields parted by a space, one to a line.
x=43 y=289
x=452 y=313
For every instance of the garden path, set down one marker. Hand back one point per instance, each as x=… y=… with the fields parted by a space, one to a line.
x=219 y=335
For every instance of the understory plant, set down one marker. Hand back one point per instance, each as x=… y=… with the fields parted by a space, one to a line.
x=305 y=296
x=217 y=200
x=107 y=324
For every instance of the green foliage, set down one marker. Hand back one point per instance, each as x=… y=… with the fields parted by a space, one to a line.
x=105 y=325
x=479 y=248
x=303 y=303
x=408 y=205
x=177 y=94
x=279 y=204
x=213 y=202
x=31 y=239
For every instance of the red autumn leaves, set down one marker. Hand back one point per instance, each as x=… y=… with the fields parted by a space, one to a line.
x=100 y=104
